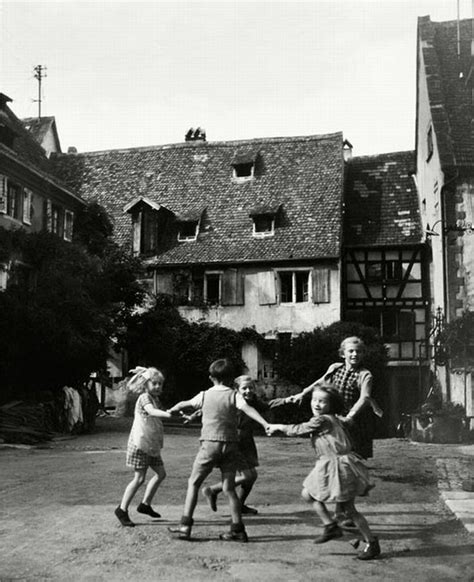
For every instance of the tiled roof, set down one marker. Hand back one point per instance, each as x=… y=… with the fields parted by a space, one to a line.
x=381 y=201
x=24 y=148
x=448 y=89
x=303 y=174
x=24 y=145
x=38 y=127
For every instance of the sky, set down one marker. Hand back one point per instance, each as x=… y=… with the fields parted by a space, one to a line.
x=132 y=74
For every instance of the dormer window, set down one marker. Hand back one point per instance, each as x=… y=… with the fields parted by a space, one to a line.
x=189 y=222
x=243 y=164
x=188 y=230
x=264 y=219
x=263 y=225
x=243 y=170
x=149 y=220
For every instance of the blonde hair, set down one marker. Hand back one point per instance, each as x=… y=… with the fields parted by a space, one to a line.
x=138 y=383
x=241 y=381
x=353 y=339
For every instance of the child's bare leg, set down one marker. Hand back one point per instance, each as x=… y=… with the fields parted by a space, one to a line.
x=153 y=484
x=246 y=480
x=228 y=487
x=132 y=488
x=322 y=512
x=349 y=509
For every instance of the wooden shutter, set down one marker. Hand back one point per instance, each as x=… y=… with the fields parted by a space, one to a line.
x=164 y=283
x=27 y=199
x=266 y=288
x=3 y=194
x=321 y=285
x=48 y=215
x=232 y=287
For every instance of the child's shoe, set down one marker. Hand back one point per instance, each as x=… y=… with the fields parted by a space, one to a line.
x=147 y=510
x=237 y=533
x=211 y=497
x=123 y=517
x=184 y=530
x=330 y=531
x=246 y=510
x=371 y=550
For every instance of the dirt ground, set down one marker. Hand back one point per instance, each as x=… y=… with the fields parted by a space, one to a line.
x=57 y=520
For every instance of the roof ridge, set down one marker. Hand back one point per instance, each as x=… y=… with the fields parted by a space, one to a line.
x=221 y=143
x=399 y=152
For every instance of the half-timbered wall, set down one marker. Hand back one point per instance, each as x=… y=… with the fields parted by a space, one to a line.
x=385 y=289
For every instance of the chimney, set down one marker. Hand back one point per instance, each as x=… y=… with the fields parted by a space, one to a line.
x=198 y=134
x=347 y=150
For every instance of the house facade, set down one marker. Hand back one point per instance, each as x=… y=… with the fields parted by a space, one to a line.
x=241 y=233
x=32 y=198
x=445 y=177
x=385 y=280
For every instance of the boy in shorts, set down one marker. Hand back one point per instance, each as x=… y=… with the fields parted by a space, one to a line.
x=219 y=446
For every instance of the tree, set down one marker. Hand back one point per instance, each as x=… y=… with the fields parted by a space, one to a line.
x=58 y=319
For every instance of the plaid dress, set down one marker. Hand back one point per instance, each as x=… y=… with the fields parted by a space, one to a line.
x=146 y=437
x=348 y=383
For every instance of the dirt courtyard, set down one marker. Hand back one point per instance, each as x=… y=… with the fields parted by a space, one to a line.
x=57 y=520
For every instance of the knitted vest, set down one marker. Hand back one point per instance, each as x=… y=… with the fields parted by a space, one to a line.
x=219 y=416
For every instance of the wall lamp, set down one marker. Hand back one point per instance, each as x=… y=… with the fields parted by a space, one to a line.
x=460 y=226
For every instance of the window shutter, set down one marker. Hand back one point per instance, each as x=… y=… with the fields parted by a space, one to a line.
x=27 y=196
x=232 y=287
x=266 y=288
x=3 y=194
x=321 y=285
x=164 y=283
x=48 y=215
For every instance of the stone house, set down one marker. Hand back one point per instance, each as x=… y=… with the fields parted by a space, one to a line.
x=445 y=178
x=31 y=195
x=242 y=233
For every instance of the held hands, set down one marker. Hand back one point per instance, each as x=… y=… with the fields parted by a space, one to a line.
x=271 y=429
x=295 y=398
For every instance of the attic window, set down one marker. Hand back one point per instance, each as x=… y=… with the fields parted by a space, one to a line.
x=243 y=170
x=263 y=225
x=188 y=230
x=243 y=164
x=264 y=218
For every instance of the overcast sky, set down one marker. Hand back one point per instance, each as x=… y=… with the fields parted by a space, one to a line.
x=127 y=74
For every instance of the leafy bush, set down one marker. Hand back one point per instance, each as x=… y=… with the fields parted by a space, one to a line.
x=182 y=350
x=309 y=355
x=457 y=339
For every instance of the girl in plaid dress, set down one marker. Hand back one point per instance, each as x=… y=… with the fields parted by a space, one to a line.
x=145 y=442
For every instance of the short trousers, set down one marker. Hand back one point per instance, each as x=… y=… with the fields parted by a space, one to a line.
x=214 y=454
x=139 y=460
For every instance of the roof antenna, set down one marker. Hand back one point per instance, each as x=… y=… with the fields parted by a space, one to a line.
x=40 y=72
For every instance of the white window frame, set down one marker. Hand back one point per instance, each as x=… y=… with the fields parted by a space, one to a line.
x=294 y=271
x=188 y=238
x=206 y=274
x=262 y=234
x=243 y=178
x=68 y=224
x=27 y=205
x=16 y=207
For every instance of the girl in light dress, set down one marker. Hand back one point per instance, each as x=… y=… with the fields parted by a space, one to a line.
x=145 y=442
x=339 y=474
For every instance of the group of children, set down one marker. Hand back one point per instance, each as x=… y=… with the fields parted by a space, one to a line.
x=228 y=410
